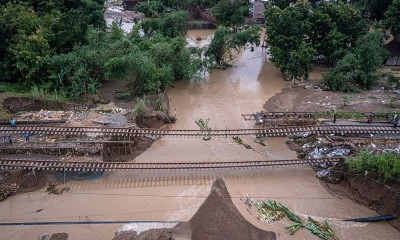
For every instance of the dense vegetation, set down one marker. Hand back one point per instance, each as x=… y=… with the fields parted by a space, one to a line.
x=62 y=47
x=33 y=32
x=385 y=167
x=230 y=37
x=155 y=8
x=336 y=31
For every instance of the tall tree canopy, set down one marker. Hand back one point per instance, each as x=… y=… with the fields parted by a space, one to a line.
x=229 y=13
x=357 y=70
x=298 y=33
x=374 y=9
x=33 y=31
x=62 y=46
x=392 y=18
x=226 y=42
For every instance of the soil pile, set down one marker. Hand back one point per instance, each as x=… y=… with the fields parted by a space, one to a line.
x=18 y=104
x=303 y=100
x=154 y=119
x=15 y=182
x=217 y=218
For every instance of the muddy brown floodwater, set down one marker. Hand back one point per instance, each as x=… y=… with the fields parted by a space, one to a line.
x=222 y=97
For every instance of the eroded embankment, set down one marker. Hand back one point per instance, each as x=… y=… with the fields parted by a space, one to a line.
x=340 y=181
x=384 y=199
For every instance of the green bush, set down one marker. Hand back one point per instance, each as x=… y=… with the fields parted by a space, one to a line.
x=11 y=87
x=385 y=167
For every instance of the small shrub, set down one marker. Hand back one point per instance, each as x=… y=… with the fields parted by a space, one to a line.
x=346 y=100
x=141 y=106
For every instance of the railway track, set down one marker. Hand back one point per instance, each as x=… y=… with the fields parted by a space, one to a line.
x=32 y=122
x=310 y=115
x=278 y=115
x=52 y=165
x=269 y=132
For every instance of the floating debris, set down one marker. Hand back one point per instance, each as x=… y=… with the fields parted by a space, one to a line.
x=271 y=211
x=239 y=141
x=203 y=124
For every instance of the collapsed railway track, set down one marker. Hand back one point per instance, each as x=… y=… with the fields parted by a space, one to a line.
x=52 y=165
x=268 y=132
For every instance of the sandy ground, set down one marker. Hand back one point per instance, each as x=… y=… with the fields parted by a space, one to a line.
x=302 y=100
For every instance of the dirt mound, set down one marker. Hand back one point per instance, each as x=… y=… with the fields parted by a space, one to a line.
x=303 y=100
x=152 y=234
x=18 y=104
x=383 y=199
x=218 y=218
x=15 y=182
x=154 y=119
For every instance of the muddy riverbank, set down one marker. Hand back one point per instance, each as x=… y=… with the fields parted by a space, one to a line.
x=384 y=199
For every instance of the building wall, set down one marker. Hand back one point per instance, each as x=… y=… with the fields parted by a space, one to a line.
x=258 y=11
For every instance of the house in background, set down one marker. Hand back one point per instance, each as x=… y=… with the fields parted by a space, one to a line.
x=393 y=47
x=257 y=8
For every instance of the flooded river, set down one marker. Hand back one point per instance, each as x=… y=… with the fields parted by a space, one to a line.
x=172 y=196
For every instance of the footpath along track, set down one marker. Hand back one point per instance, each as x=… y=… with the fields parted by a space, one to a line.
x=268 y=132
x=53 y=165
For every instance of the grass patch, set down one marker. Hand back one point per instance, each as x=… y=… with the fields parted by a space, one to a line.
x=383 y=167
x=352 y=115
x=41 y=93
x=11 y=87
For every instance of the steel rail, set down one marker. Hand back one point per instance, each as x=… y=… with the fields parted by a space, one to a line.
x=54 y=165
x=269 y=132
x=272 y=115
x=277 y=115
x=33 y=122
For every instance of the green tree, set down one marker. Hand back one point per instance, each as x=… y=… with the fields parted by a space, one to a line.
x=344 y=75
x=288 y=33
x=392 y=18
x=374 y=9
x=358 y=68
x=174 y=24
x=345 y=18
x=299 y=64
x=171 y=25
x=282 y=3
x=371 y=53
x=23 y=46
x=225 y=43
x=229 y=13
x=150 y=8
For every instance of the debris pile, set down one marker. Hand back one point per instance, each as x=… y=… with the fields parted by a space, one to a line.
x=45 y=115
x=271 y=211
x=7 y=189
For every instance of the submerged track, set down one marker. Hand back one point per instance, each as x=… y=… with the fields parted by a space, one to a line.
x=52 y=165
x=269 y=132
